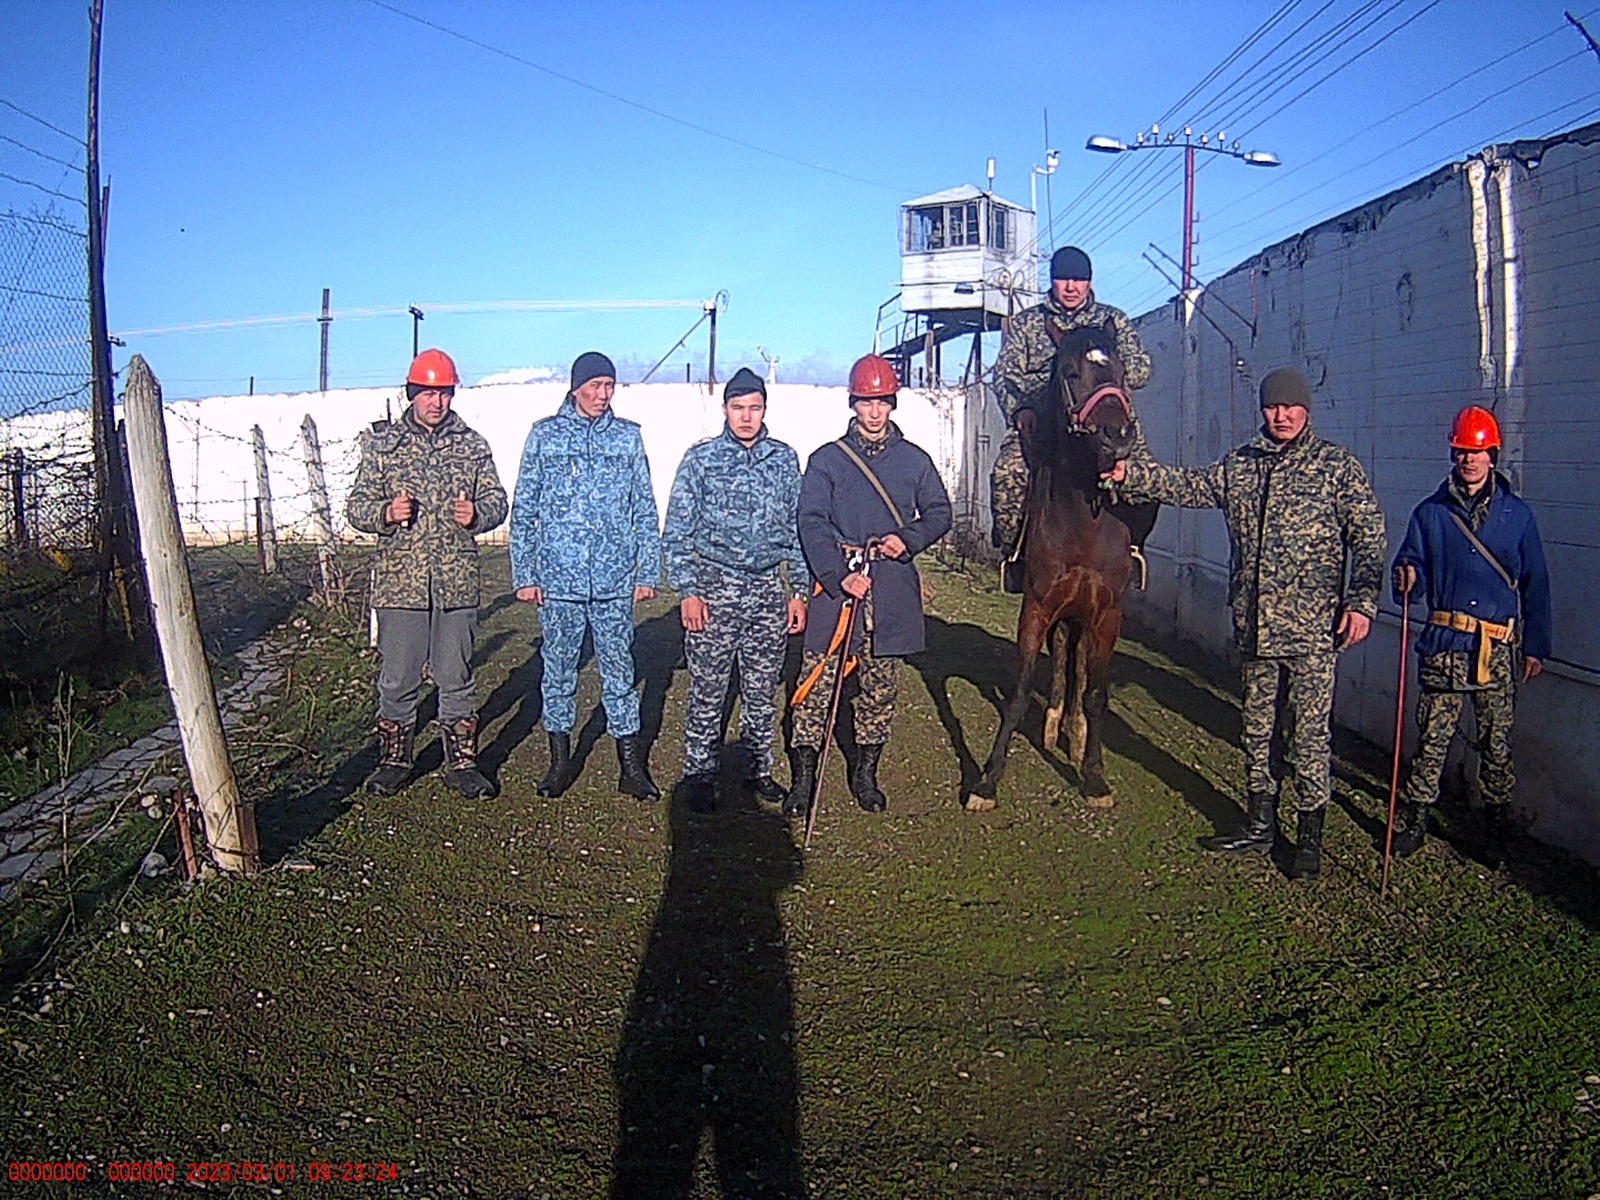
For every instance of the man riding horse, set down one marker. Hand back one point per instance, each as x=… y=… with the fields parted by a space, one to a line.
x=1022 y=376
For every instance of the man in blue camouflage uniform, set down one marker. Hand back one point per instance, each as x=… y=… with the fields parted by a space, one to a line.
x=1299 y=510
x=1480 y=606
x=841 y=511
x=585 y=547
x=733 y=556
x=1022 y=376
x=427 y=487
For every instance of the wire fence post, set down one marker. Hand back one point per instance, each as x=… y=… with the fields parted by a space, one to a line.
x=321 y=510
x=266 y=532
x=230 y=821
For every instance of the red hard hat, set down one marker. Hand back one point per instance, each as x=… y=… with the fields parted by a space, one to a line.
x=872 y=378
x=1474 y=429
x=433 y=368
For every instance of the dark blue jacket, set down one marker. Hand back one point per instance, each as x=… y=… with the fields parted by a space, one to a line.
x=583 y=519
x=838 y=505
x=1453 y=577
x=732 y=510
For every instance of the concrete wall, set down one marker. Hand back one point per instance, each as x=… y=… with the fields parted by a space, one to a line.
x=1476 y=284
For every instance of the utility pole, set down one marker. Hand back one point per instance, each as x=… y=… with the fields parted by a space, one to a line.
x=324 y=320
x=116 y=544
x=1579 y=25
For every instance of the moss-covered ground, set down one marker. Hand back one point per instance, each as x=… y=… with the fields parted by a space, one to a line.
x=590 y=995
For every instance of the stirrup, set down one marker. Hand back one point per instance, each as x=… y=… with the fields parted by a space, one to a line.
x=1137 y=554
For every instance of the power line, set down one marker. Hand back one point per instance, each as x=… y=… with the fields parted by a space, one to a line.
x=42 y=188
x=644 y=108
x=40 y=153
x=53 y=128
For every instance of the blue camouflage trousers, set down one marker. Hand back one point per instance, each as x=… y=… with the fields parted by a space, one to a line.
x=746 y=625
x=1447 y=682
x=1305 y=719
x=611 y=623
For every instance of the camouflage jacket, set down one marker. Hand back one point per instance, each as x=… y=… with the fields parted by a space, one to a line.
x=583 y=526
x=1297 y=515
x=430 y=561
x=733 y=511
x=1022 y=371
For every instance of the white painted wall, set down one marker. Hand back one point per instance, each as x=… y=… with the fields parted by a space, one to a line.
x=1474 y=285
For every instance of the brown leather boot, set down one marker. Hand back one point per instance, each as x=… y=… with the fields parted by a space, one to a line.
x=461 y=774
x=396 y=743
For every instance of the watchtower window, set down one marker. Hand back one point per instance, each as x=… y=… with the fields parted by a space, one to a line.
x=963 y=224
x=1002 y=227
x=925 y=230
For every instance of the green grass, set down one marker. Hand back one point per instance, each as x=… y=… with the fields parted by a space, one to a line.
x=1045 y=1001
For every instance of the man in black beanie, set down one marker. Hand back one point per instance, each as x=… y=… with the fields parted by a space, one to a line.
x=1022 y=373
x=585 y=565
x=733 y=556
x=1298 y=510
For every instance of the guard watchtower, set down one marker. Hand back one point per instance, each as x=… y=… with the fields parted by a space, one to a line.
x=967 y=263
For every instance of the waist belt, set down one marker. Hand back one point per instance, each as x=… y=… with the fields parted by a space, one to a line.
x=1486 y=633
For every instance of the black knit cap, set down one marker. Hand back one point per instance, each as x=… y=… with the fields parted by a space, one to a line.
x=744 y=382
x=1286 y=387
x=591 y=364
x=1070 y=263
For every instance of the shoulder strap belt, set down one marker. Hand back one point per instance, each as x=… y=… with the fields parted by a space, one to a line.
x=899 y=521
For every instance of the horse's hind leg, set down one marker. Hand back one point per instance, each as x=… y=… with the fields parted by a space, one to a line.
x=1078 y=722
x=1096 y=649
x=1060 y=650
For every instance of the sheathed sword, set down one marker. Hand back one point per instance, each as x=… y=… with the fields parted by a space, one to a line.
x=859 y=562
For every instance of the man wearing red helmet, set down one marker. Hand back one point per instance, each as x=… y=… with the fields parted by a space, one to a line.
x=427 y=486
x=869 y=486
x=1472 y=554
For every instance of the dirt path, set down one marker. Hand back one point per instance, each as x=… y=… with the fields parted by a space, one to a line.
x=561 y=998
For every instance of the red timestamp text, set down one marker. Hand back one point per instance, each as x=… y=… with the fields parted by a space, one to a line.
x=47 y=1172
x=351 y=1172
x=141 y=1172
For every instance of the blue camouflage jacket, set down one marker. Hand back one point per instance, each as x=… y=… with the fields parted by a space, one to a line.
x=583 y=518
x=733 y=509
x=1453 y=577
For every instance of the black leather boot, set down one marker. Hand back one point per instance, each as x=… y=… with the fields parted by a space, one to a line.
x=396 y=743
x=634 y=779
x=1308 y=845
x=559 y=777
x=1256 y=835
x=767 y=789
x=1413 y=829
x=802 y=780
x=461 y=774
x=699 y=792
x=864 y=779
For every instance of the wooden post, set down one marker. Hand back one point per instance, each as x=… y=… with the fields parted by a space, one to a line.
x=321 y=510
x=322 y=363
x=19 y=505
x=230 y=822
x=261 y=542
x=265 y=529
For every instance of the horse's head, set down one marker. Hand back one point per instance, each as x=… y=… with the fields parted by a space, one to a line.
x=1087 y=388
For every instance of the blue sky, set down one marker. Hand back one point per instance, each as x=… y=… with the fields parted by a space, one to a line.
x=259 y=152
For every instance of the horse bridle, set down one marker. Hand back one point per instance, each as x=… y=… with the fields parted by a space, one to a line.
x=1080 y=415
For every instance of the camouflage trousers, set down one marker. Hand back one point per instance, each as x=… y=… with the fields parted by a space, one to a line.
x=1305 y=717
x=746 y=625
x=1446 y=682
x=877 y=684
x=1008 y=490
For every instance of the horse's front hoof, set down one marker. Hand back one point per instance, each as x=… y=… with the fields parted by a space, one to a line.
x=977 y=803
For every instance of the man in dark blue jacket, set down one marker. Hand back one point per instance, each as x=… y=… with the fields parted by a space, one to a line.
x=733 y=556
x=841 y=511
x=585 y=547
x=1472 y=550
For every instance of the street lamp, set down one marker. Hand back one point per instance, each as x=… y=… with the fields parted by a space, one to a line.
x=1051 y=159
x=416 y=325
x=1153 y=141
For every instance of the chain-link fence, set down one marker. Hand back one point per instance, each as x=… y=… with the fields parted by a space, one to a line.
x=46 y=444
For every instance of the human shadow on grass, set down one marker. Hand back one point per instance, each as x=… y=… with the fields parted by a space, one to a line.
x=987 y=662
x=707 y=1044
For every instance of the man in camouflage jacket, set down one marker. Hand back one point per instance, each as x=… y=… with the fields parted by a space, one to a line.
x=1299 y=510
x=1022 y=376
x=733 y=556
x=427 y=487
x=585 y=548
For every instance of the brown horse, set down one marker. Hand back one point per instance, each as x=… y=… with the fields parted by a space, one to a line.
x=1076 y=561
